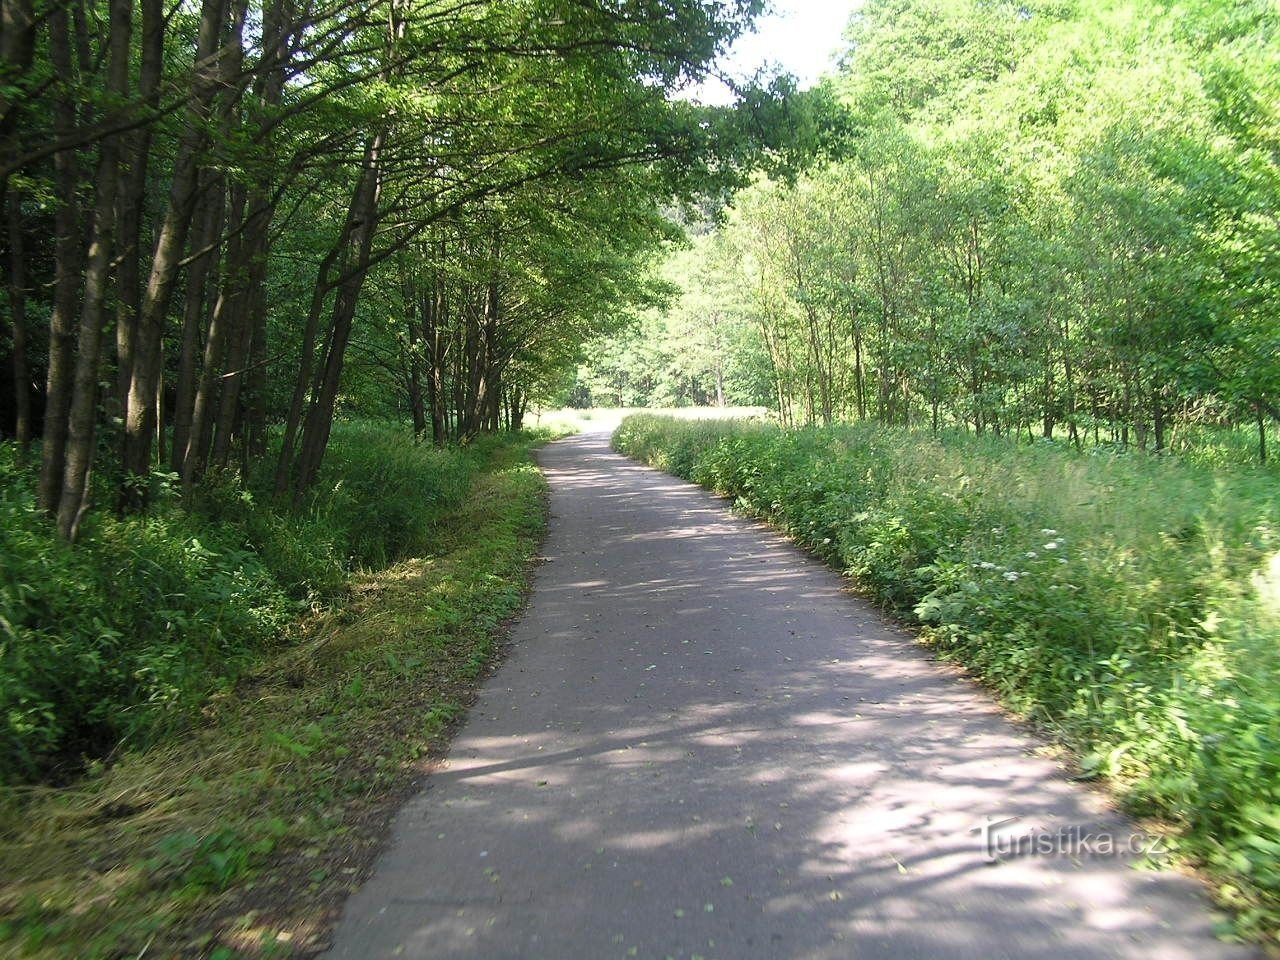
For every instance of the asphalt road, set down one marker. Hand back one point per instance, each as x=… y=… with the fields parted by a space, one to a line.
x=703 y=746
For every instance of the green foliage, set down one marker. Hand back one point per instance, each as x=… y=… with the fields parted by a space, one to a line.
x=1129 y=604
x=1045 y=218
x=286 y=780
x=118 y=639
x=121 y=638
x=385 y=492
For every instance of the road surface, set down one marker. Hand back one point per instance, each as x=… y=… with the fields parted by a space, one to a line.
x=702 y=745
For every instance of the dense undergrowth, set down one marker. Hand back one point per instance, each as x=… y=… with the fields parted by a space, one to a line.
x=1129 y=604
x=120 y=639
x=242 y=835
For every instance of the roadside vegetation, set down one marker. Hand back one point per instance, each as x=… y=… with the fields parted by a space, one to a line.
x=256 y=715
x=1126 y=604
x=1043 y=218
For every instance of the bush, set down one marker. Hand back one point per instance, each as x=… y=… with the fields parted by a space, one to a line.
x=1129 y=603
x=124 y=636
x=118 y=637
x=386 y=492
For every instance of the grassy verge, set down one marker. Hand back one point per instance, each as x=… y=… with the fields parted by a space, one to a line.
x=1127 y=604
x=242 y=837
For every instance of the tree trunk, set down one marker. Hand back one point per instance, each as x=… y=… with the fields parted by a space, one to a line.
x=1157 y=419
x=254 y=399
x=319 y=422
x=435 y=316
x=67 y=260
x=1262 y=434
x=132 y=197
x=306 y=358
x=140 y=411
x=417 y=408
x=206 y=238
x=230 y=290
x=84 y=403
x=18 y=314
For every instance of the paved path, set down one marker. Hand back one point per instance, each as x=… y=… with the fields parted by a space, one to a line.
x=701 y=746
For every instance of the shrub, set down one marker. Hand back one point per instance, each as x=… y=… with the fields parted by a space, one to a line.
x=124 y=636
x=386 y=492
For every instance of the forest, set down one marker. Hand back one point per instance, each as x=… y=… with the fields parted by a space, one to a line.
x=285 y=279
x=1047 y=219
x=230 y=226
x=200 y=204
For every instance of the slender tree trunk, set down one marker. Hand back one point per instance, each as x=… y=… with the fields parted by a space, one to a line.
x=18 y=314
x=84 y=403
x=208 y=231
x=319 y=422
x=417 y=409
x=67 y=273
x=1157 y=419
x=1262 y=434
x=306 y=360
x=140 y=412
x=233 y=377
x=254 y=399
x=209 y=384
x=133 y=195
x=437 y=347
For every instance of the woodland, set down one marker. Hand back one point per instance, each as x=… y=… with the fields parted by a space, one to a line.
x=1044 y=219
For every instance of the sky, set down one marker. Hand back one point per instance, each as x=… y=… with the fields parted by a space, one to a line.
x=802 y=36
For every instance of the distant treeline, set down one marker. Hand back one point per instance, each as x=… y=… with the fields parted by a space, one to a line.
x=1048 y=218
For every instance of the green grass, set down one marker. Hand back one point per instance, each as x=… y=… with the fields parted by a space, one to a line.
x=242 y=834
x=1128 y=604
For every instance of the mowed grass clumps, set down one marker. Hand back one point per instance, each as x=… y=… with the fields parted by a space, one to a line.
x=1127 y=603
x=120 y=639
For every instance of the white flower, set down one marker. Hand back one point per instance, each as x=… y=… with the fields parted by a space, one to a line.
x=1062 y=559
x=1046 y=532
x=1051 y=545
x=826 y=540
x=987 y=565
x=1011 y=576
x=997 y=530
x=1031 y=554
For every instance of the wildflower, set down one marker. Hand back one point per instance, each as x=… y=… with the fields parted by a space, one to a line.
x=1010 y=575
x=1031 y=554
x=1047 y=532
x=826 y=540
x=987 y=565
x=1051 y=545
x=997 y=530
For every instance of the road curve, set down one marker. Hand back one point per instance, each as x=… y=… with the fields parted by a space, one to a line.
x=701 y=745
